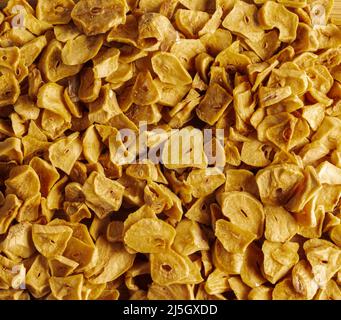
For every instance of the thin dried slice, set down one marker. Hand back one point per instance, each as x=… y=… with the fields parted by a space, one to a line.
x=190 y=22
x=102 y=194
x=50 y=97
x=330 y=292
x=18 y=242
x=65 y=152
x=251 y=272
x=61 y=266
x=303 y=279
x=81 y=49
x=9 y=89
x=243 y=210
x=169 y=69
x=106 y=62
x=37 y=277
x=214 y=104
x=56 y=12
x=260 y=293
x=48 y=175
x=242 y=21
x=217 y=282
x=67 y=288
x=155 y=32
x=279 y=258
x=233 y=238
x=23 y=182
x=157 y=236
x=205 y=181
x=277 y=183
x=144 y=91
x=51 y=241
x=113 y=261
x=168 y=267
x=324 y=258
x=51 y=64
x=285 y=290
x=189 y=238
x=94 y=17
x=280 y=225
x=273 y=15
x=231 y=263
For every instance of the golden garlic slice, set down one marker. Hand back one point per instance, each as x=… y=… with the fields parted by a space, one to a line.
x=51 y=241
x=94 y=17
x=64 y=152
x=157 y=235
x=169 y=69
x=243 y=210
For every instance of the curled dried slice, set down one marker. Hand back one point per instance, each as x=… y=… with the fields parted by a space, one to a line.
x=205 y=181
x=106 y=62
x=169 y=69
x=324 y=258
x=260 y=293
x=232 y=56
x=190 y=22
x=280 y=225
x=50 y=97
x=239 y=288
x=157 y=236
x=51 y=64
x=9 y=89
x=155 y=31
x=65 y=152
x=278 y=259
x=67 y=288
x=214 y=104
x=9 y=57
x=184 y=149
x=256 y=154
x=243 y=210
x=98 y=16
x=170 y=292
x=113 y=261
x=276 y=183
x=217 y=282
x=242 y=21
x=273 y=15
x=92 y=146
x=251 y=272
x=18 y=242
x=270 y=96
x=61 y=266
x=303 y=279
x=23 y=181
x=37 y=277
x=102 y=194
x=144 y=91
x=168 y=267
x=330 y=292
x=266 y=46
x=285 y=290
x=233 y=238
x=189 y=238
x=241 y=180
x=56 y=12
x=81 y=49
x=231 y=263
x=51 y=241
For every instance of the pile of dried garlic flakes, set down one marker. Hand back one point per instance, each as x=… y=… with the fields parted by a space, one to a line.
x=76 y=223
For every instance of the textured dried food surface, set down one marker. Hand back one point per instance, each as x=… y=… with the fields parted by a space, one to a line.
x=170 y=149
